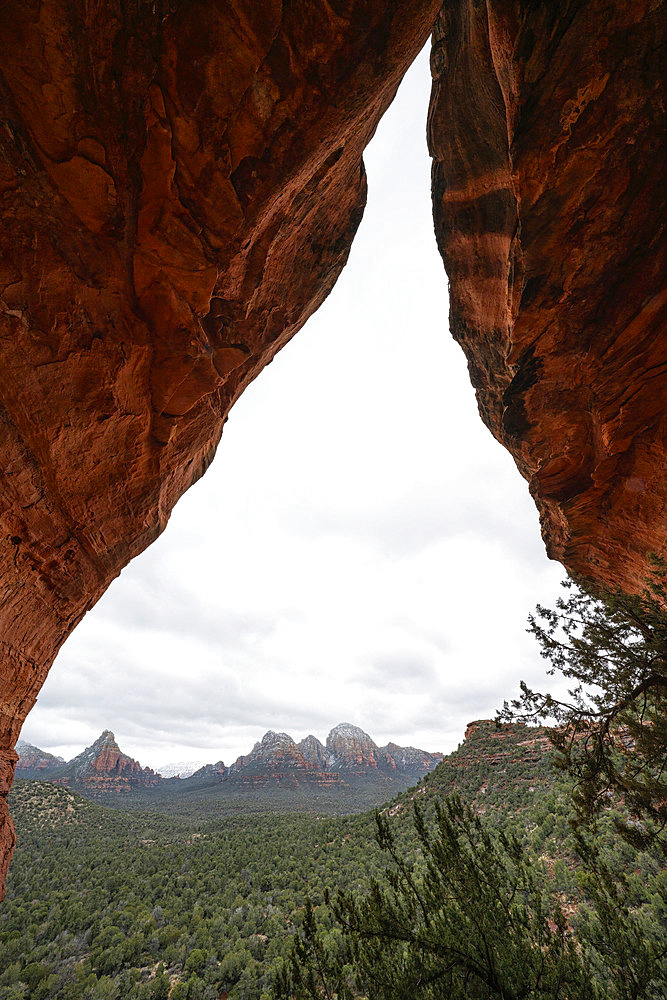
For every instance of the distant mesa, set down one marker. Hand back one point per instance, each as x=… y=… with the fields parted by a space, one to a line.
x=349 y=755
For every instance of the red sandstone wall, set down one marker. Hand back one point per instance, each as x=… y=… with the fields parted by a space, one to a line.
x=179 y=185
x=546 y=127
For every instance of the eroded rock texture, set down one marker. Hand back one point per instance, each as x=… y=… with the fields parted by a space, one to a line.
x=104 y=768
x=180 y=184
x=546 y=128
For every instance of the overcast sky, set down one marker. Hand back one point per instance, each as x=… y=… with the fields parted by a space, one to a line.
x=361 y=549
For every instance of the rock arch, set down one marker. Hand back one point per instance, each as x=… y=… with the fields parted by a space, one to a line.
x=180 y=185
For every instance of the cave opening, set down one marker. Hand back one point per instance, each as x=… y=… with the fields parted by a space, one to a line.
x=360 y=550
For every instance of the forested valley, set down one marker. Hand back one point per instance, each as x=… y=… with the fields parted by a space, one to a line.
x=105 y=903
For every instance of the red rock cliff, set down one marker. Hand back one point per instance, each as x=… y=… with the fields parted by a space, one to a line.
x=545 y=127
x=103 y=767
x=180 y=184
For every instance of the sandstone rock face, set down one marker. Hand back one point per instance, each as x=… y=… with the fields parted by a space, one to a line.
x=315 y=752
x=277 y=759
x=179 y=184
x=274 y=753
x=545 y=126
x=351 y=749
x=35 y=763
x=410 y=759
x=349 y=754
x=103 y=767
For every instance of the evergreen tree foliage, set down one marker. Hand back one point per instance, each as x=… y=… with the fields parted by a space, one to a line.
x=611 y=734
x=468 y=918
x=628 y=958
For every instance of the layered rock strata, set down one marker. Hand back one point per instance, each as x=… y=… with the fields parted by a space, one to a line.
x=277 y=759
x=349 y=754
x=545 y=127
x=180 y=184
x=36 y=763
x=103 y=767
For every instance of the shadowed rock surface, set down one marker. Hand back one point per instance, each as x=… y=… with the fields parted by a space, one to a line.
x=180 y=184
x=546 y=126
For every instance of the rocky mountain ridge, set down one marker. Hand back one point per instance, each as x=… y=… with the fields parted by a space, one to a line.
x=349 y=754
x=36 y=763
x=100 y=768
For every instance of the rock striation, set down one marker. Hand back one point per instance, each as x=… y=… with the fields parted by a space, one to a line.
x=349 y=754
x=410 y=759
x=179 y=185
x=352 y=751
x=314 y=752
x=545 y=129
x=36 y=763
x=103 y=767
x=277 y=759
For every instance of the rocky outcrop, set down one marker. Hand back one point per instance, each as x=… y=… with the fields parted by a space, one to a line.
x=545 y=126
x=277 y=759
x=103 y=768
x=274 y=753
x=36 y=763
x=410 y=760
x=314 y=752
x=349 y=755
x=528 y=742
x=210 y=772
x=351 y=749
x=180 y=185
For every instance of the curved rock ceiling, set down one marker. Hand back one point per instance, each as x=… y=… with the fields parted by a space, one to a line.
x=181 y=183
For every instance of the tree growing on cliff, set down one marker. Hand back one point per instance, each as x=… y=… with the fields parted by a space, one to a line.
x=611 y=734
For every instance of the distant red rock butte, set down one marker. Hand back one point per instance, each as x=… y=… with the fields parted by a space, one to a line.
x=180 y=186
